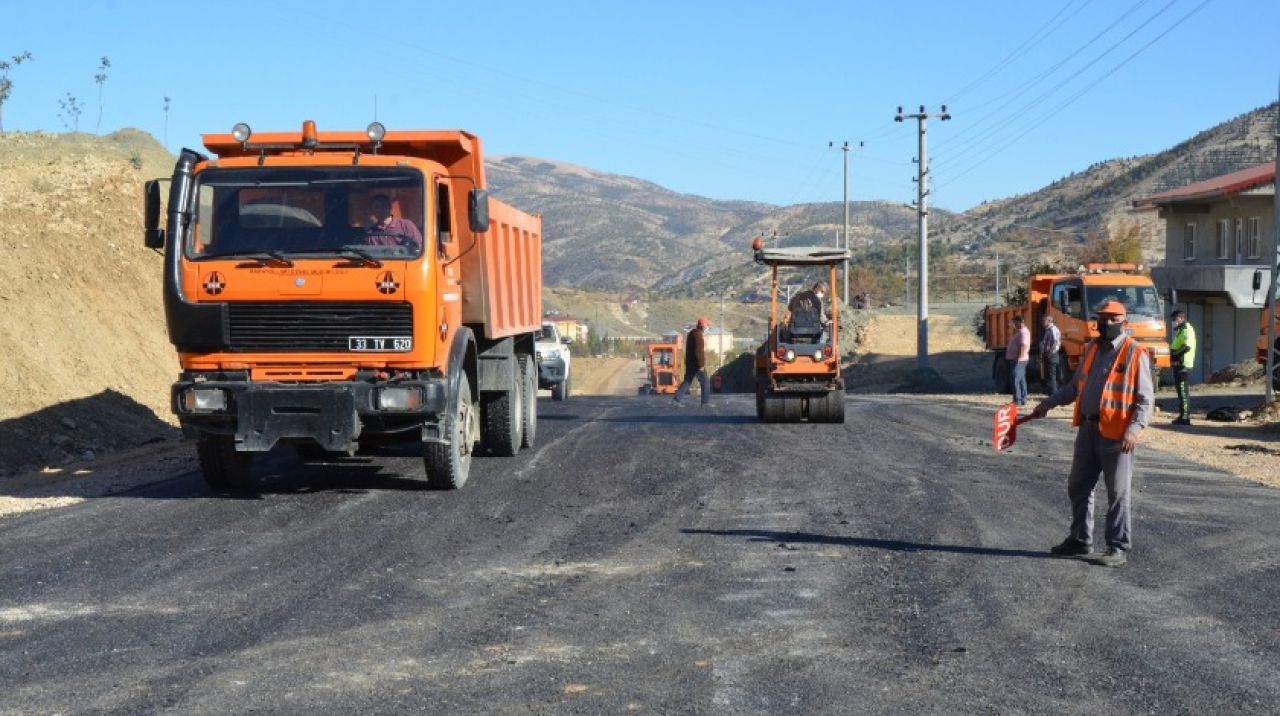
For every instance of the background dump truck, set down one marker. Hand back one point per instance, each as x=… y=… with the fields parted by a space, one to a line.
x=663 y=367
x=797 y=369
x=1260 y=346
x=1070 y=299
x=297 y=320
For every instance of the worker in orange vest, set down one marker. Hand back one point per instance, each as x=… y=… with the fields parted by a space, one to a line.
x=1114 y=397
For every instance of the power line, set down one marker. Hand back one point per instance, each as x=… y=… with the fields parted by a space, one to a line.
x=1034 y=39
x=1049 y=115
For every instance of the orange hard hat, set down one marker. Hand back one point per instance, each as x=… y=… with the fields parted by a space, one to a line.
x=1111 y=307
x=703 y=322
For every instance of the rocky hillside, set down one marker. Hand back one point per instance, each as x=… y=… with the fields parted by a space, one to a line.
x=1103 y=193
x=614 y=232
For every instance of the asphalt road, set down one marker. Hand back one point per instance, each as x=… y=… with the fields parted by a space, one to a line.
x=653 y=559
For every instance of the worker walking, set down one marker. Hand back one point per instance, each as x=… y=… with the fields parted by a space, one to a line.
x=1018 y=354
x=1114 y=398
x=1050 y=344
x=1182 y=351
x=695 y=362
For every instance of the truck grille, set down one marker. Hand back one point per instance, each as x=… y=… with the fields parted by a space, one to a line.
x=312 y=327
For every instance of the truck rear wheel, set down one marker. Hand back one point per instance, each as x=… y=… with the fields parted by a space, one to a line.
x=448 y=464
x=221 y=465
x=529 y=408
x=503 y=414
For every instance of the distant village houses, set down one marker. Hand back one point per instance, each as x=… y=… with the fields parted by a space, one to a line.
x=1219 y=234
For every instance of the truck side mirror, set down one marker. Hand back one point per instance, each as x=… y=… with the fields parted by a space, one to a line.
x=478 y=210
x=1257 y=279
x=153 y=236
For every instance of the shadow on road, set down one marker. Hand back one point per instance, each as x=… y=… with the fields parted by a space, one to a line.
x=701 y=418
x=892 y=545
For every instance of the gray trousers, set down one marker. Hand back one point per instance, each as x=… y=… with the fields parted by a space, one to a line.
x=1097 y=456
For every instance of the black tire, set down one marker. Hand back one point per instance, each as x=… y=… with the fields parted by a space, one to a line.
x=773 y=408
x=529 y=416
x=1275 y=365
x=1000 y=375
x=791 y=408
x=503 y=414
x=221 y=465
x=560 y=391
x=817 y=408
x=835 y=406
x=762 y=389
x=448 y=464
x=1064 y=370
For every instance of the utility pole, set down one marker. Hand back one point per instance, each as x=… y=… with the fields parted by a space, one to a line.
x=997 y=301
x=844 y=292
x=922 y=217
x=721 y=344
x=1275 y=275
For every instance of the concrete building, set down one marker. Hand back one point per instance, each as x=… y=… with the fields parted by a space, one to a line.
x=1219 y=234
x=719 y=340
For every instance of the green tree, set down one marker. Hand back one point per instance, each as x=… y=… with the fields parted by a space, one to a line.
x=6 y=84
x=100 y=79
x=70 y=114
x=1119 y=243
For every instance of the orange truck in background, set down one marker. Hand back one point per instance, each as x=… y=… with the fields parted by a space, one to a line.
x=1260 y=346
x=1070 y=299
x=662 y=368
x=326 y=287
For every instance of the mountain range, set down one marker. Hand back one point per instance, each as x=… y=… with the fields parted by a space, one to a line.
x=620 y=233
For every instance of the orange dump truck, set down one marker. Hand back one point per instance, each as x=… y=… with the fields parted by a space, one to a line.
x=325 y=287
x=1260 y=347
x=1070 y=299
x=662 y=368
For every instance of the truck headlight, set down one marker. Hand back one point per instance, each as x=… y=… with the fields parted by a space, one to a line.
x=399 y=399
x=204 y=400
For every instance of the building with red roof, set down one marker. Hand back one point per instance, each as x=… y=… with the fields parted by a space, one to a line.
x=1219 y=244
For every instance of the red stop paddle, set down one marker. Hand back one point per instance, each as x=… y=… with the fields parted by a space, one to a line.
x=1004 y=426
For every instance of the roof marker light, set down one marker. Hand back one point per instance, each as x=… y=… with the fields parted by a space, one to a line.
x=376 y=132
x=241 y=132
x=309 y=140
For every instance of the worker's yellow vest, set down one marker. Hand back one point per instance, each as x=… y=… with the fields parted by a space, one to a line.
x=1119 y=392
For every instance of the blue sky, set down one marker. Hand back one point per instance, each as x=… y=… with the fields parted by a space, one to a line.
x=731 y=100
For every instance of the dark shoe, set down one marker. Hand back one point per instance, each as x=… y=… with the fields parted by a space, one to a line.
x=1113 y=557
x=1071 y=547
x=1182 y=421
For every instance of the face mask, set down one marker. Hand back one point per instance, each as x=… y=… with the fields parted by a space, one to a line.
x=819 y=295
x=1109 y=331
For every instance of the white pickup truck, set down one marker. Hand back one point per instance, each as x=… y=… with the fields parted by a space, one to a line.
x=553 y=361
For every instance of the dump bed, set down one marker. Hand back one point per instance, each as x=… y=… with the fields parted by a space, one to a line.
x=999 y=324
x=502 y=274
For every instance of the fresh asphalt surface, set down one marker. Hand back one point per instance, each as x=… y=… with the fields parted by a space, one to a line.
x=654 y=559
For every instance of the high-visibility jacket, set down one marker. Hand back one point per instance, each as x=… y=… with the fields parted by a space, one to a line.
x=1119 y=391
x=1183 y=348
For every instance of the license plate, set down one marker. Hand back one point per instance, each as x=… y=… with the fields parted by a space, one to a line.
x=382 y=344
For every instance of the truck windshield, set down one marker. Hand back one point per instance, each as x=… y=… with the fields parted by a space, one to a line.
x=1141 y=302
x=305 y=211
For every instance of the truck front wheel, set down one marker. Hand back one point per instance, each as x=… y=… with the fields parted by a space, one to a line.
x=448 y=463
x=223 y=468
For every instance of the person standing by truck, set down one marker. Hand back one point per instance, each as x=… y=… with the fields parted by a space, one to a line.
x=1018 y=353
x=1114 y=397
x=1050 y=345
x=1182 y=352
x=695 y=362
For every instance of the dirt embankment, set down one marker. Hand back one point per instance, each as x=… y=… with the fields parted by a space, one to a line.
x=85 y=364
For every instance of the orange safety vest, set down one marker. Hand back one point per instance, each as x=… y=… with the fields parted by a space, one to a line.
x=1119 y=392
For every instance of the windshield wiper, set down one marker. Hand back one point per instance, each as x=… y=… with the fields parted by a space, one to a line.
x=346 y=252
x=266 y=258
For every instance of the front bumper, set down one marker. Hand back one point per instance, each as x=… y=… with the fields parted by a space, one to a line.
x=333 y=415
x=551 y=372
